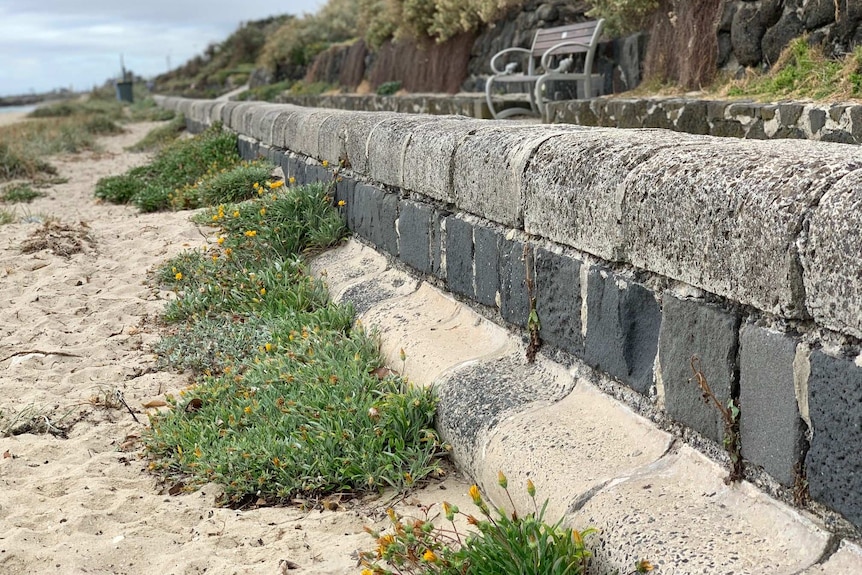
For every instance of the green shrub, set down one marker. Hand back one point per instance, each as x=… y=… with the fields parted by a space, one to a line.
x=388 y=88
x=19 y=193
x=18 y=164
x=267 y=93
x=622 y=16
x=233 y=185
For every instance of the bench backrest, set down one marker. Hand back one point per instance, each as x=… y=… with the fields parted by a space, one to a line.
x=584 y=32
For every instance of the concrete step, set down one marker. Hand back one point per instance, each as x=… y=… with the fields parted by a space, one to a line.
x=600 y=464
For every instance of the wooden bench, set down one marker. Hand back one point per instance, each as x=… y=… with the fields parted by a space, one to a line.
x=537 y=66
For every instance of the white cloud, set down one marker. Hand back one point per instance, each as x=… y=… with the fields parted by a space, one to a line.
x=57 y=43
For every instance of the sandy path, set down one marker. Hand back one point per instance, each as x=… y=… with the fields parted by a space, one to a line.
x=76 y=329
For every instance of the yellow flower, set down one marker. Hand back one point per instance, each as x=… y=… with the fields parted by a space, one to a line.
x=262 y=291
x=251 y=233
x=215 y=217
x=429 y=556
x=367 y=572
x=341 y=203
x=277 y=184
x=448 y=511
x=291 y=180
x=256 y=185
x=267 y=346
x=501 y=480
x=247 y=409
x=644 y=566
x=179 y=276
x=215 y=257
x=228 y=252
x=325 y=163
x=198 y=451
x=263 y=211
x=531 y=489
x=475 y=495
x=220 y=240
x=236 y=213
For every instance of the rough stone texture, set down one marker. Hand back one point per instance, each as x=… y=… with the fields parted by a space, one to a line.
x=574 y=185
x=835 y=407
x=354 y=129
x=375 y=212
x=680 y=515
x=691 y=328
x=247 y=148
x=429 y=157
x=623 y=323
x=386 y=146
x=489 y=171
x=415 y=223
x=486 y=257
x=260 y=127
x=770 y=425
x=459 y=257
x=476 y=397
x=611 y=442
x=558 y=300
x=832 y=259
x=515 y=258
x=726 y=217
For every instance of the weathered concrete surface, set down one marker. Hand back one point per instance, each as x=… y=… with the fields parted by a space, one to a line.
x=679 y=514
x=832 y=258
x=436 y=333
x=429 y=156
x=558 y=300
x=356 y=128
x=599 y=464
x=475 y=398
x=387 y=144
x=847 y=560
x=571 y=448
x=725 y=217
x=575 y=185
x=489 y=169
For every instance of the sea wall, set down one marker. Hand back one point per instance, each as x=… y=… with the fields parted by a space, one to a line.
x=631 y=250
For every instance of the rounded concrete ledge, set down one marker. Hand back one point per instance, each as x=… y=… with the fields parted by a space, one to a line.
x=739 y=219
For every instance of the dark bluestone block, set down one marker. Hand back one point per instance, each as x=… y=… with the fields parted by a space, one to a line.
x=344 y=189
x=436 y=239
x=487 y=243
x=694 y=328
x=247 y=148
x=770 y=425
x=833 y=461
x=514 y=295
x=317 y=174
x=558 y=300
x=415 y=222
x=374 y=215
x=459 y=257
x=623 y=325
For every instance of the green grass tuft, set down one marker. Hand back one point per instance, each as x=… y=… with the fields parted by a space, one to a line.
x=162 y=135
x=19 y=193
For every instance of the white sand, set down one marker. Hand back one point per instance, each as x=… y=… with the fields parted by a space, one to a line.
x=73 y=329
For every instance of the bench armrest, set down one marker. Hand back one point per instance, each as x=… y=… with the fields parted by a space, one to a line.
x=503 y=52
x=549 y=53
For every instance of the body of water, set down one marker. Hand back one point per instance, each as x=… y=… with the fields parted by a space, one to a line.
x=11 y=109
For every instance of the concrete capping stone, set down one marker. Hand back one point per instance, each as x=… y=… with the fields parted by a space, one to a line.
x=832 y=259
x=489 y=169
x=770 y=424
x=690 y=328
x=387 y=143
x=726 y=217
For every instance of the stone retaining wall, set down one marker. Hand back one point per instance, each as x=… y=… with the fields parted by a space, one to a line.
x=794 y=120
x=637 y=249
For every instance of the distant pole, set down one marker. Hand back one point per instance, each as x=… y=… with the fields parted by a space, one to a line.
x=123 y=68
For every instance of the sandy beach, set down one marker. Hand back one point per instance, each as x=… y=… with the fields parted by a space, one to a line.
x=77 y=320
x=11 y=117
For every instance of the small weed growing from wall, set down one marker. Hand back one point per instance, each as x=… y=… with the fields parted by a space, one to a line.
x=730 y=415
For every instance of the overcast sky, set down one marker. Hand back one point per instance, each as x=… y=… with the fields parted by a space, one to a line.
x=47 y=44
